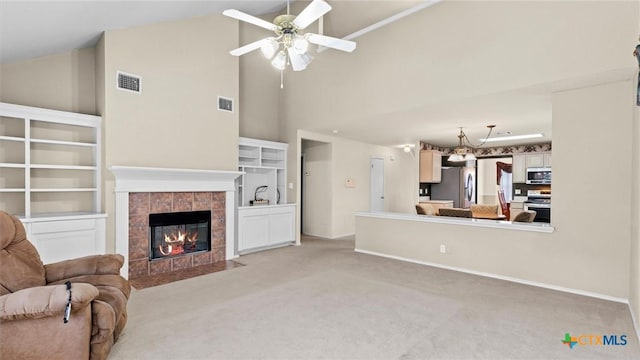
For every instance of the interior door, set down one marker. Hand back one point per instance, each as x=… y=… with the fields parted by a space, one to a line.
x=377 y=185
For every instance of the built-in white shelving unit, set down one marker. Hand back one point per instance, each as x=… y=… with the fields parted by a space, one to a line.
x=50 y=177
x=263 y=225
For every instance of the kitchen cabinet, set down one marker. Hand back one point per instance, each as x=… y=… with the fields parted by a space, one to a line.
x=521 y=162
x=430 y=166
x=519 y=168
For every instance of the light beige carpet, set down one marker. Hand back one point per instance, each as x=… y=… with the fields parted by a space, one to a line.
x=324 y=301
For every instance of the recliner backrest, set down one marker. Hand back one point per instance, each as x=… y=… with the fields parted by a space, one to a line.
x=20 y=263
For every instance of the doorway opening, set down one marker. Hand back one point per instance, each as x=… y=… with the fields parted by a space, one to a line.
x=315 y=188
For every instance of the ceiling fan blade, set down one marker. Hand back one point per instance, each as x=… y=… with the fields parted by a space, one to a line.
x=249 y=47
x=311 y=13
x=297 y=63
x=249 y=18
x=334 y=43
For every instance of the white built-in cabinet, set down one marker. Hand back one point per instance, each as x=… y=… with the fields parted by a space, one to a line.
x=50 y=177
x=521 y=162
x=261 y=224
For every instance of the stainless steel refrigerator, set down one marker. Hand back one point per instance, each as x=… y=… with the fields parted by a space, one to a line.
x=458 y=184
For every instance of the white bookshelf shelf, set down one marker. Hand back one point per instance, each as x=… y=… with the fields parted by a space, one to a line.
x=60 y=142
x=12 y=138
x=62 y=167
x=12 y=165
x=61 y=153
x=43 y=190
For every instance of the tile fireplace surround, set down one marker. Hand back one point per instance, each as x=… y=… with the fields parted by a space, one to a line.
x=140 y=191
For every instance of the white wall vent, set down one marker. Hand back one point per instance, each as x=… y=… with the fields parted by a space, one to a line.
x=225 y=104
x=129 y=82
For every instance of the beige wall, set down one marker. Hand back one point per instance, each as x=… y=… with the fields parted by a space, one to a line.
x=456 y=50
x=63 y=81
x=174 y=122
x=259 y=90
x=352 y=160
x=578 y=254
x=317 y=196
x=634 y=270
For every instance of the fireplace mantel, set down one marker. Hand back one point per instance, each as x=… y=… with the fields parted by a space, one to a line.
x=130 y=179
x=147 y=179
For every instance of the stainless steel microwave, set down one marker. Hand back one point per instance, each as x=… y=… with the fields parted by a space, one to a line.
x=538 y=175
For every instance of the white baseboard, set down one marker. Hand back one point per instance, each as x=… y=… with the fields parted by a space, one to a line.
x=501 y=277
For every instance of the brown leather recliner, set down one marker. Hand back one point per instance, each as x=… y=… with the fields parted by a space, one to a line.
x=33 y=298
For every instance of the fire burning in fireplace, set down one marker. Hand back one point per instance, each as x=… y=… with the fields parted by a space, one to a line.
x=174 y=234
x=174 y=244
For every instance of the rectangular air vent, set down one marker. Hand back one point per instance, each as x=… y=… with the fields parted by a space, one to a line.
x=225 y=104
x=129 y=82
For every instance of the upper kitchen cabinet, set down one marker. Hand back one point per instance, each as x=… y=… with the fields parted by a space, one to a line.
x=519 y=168
x=430 y=166
x=538 y=160
x=523 y=161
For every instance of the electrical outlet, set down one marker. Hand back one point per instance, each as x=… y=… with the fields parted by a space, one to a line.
x=443 y=249
x=518 y=191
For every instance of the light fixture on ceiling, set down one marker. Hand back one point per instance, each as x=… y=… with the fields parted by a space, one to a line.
x=407 y=147
x=513 y=137
x=290 y=46
x=465 y=152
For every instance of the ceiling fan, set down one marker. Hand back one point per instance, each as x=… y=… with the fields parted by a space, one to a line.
x=290 y=45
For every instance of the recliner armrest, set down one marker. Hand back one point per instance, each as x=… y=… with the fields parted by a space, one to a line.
x=42 y=301
x=88 y=265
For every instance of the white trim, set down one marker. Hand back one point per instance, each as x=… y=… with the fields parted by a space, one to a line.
x=500 y=277
x=145 y=179
x=495 y=224
x=634 y=319
x=387 y=21
x=55 y=116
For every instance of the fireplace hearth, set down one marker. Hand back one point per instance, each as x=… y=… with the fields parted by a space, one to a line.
x=179 y=233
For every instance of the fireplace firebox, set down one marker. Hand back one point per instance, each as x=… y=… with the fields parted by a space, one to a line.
x=178 y=233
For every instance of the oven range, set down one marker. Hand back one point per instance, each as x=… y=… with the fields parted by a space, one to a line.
x=540 y=202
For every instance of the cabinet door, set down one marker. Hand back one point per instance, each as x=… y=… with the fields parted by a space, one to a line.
x=430 y=166
x=547 y=160
x=281 y=227
x=67 y=239
x=253 y=231
x=535 y=160
x=519 y=168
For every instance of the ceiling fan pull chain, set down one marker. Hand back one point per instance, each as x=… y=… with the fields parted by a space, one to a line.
x=281 y=79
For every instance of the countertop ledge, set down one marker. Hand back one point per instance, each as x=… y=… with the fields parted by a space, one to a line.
x=495 y=224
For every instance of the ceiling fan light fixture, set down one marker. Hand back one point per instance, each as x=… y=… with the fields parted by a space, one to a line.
x=280 y=60
x=470 y=156
x=300 y=45
x=455 y=158
x=269 y=48
x=307 y=58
